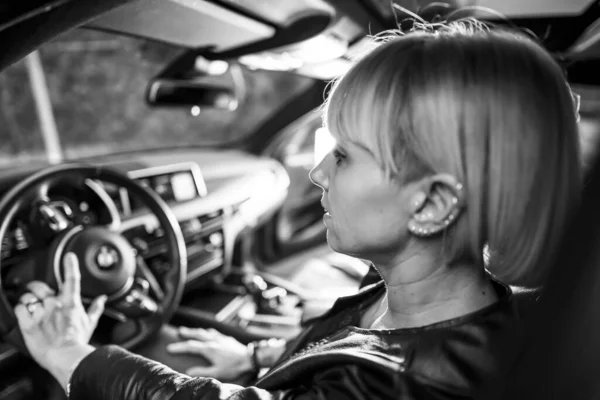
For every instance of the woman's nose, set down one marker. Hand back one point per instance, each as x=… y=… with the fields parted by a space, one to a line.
x=318 y=175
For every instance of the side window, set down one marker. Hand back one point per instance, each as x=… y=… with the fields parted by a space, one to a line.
x=299 y=224
x=299 y=149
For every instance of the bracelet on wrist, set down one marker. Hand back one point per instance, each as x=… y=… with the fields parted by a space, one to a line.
x=262 y=358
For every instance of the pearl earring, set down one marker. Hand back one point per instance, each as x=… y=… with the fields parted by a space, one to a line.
x=423 y=232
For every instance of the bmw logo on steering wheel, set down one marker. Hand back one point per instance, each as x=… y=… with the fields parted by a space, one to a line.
x=106 y=257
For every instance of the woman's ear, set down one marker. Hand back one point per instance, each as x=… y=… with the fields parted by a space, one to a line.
x=436 y=205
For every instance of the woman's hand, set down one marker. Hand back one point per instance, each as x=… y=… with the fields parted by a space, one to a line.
x=55 y=327
x=229 y=358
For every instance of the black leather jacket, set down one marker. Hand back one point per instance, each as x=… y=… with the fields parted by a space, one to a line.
x=465 y=357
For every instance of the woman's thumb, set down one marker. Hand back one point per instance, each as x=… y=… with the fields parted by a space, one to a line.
x=96 y=309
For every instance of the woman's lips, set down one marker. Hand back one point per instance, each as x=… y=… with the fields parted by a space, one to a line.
x=327 y=214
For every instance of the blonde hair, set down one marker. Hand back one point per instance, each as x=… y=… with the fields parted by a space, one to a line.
x=492 y=108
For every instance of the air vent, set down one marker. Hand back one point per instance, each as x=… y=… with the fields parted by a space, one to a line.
x=212 y=219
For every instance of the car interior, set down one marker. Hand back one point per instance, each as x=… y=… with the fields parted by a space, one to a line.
x=227 y=234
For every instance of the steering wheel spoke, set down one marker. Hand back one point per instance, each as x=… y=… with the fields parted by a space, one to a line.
x=149 y=279
x=115 y=218
x=109 y=311
x=138 y=303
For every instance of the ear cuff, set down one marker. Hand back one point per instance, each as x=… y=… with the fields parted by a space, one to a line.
x=422 y=232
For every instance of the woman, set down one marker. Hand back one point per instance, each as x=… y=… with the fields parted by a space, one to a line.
x=451 y=142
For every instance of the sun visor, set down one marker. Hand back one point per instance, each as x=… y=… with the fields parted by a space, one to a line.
x=281 y=13
x=188 y=23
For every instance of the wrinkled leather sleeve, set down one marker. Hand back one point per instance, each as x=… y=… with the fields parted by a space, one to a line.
x=116 y=374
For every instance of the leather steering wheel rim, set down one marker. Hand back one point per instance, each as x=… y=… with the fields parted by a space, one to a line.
x=14 y=199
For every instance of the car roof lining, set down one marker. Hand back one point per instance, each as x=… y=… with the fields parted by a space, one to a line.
x=509 y=8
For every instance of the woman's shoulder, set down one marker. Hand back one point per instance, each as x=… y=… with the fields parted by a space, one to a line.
x=459 y=356
x=452 y=362
x=474 y=352
x=467 y=354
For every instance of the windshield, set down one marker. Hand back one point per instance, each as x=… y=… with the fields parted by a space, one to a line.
x=95 y=85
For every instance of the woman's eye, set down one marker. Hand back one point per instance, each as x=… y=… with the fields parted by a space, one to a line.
x=338 y=156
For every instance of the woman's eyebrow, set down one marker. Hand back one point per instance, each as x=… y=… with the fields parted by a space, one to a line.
x=359 y=146
x=345 y=144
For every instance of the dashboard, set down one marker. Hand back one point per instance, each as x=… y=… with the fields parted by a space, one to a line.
x=204 y=232
x=216 y=196
x=174 y=183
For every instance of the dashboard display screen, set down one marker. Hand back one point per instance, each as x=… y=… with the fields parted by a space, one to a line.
x=184 y=186
x=175 y=186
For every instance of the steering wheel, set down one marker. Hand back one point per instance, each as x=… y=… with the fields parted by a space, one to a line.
x=109 y=264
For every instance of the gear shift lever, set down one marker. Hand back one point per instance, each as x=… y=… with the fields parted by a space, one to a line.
x=254 y=284
x=267 y=300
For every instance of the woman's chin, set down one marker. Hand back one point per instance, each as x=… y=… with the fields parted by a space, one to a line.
x=333 y=238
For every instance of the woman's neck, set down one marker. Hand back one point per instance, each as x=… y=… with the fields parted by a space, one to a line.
x=421 y=292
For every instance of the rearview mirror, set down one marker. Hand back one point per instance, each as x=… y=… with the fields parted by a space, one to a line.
x=180 y=93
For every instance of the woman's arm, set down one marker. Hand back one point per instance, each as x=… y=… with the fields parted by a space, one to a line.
x=112 y=373
x=116 y=374
x=228 y=359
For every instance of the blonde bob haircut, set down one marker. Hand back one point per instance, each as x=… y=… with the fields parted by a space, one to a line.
x=492 y=108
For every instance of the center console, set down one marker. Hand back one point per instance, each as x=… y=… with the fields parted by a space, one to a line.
x=238 y=303
x=204 y=239
x=177 y=184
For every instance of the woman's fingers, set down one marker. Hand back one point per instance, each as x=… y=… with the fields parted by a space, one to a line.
x=197 y=333
x=24 y=318
x=51 y=304
x=40 y=289
x=71 y=291
x=187 y=346
x=37 y=311
x=191 y=347
x=96 y=309
x=29 y=298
